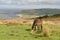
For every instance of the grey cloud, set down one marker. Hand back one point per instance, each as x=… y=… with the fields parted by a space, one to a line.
x=25 y=2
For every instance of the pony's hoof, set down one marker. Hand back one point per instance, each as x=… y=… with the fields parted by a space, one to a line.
x=32 y=32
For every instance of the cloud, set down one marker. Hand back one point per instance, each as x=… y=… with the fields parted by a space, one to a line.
x=30 y=3
x=44 y=2
x=10 y=2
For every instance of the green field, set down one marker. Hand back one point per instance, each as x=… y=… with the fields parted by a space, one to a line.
x=22 y=32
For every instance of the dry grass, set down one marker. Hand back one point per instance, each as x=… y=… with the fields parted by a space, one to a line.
x=53 y=21
x=46 y=31
x=21 y=21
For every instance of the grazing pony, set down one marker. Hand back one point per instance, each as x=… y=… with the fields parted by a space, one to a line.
x=37 y=23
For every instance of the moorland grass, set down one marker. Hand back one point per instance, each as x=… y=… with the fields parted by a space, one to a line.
x=22 y=32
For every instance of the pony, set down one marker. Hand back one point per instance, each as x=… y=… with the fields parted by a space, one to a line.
x=37 y=23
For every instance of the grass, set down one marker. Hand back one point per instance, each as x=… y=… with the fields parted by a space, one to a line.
x=22 y=32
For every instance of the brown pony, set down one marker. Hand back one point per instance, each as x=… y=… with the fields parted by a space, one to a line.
x=37 y=23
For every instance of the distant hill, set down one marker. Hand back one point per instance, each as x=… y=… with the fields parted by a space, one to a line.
x=15 y=13
x=56 y=15
x=40 y=11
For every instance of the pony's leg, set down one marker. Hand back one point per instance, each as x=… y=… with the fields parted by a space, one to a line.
x=34 y=27
x=38 y=27
x=33 y=30
x=41 y=28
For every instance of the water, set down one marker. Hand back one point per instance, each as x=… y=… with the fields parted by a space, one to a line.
x=8 y=13
x=7 y=16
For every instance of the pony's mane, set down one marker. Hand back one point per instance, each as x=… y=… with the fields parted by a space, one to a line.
x=42 y=17
x=39 y=17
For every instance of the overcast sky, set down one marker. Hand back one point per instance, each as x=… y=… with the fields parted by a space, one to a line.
x=29 y=4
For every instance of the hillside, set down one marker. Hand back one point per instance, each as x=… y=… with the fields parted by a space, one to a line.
x=40 y=11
